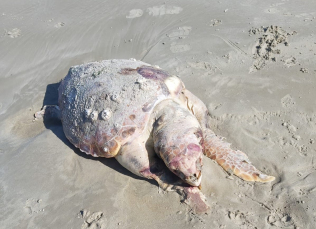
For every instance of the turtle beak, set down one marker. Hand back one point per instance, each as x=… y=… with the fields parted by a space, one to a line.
x=188 y=165
x=194 y=180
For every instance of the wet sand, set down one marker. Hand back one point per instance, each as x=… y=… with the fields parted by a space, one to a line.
x=257 y=81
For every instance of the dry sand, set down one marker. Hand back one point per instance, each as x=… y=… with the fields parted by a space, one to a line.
x=257 y=81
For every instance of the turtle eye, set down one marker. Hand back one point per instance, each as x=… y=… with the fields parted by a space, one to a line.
x=160 y=120
x=198 y=133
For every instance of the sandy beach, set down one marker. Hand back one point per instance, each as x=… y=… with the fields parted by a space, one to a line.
x=253 y=63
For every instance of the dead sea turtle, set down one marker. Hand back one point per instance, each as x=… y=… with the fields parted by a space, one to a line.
x=140 y=114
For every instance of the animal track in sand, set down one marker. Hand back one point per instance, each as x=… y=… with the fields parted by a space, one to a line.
x=93 y=220
x=215 y=22
x=290 y=62
x=33 y=206
x=241 y=218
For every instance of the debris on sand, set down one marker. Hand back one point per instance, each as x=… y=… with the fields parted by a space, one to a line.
x=268 y=45
x=304 y=70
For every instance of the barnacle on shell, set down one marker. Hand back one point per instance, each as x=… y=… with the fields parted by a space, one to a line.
x=106 y=114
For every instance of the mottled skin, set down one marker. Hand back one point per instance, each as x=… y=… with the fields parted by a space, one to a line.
x=138 y=113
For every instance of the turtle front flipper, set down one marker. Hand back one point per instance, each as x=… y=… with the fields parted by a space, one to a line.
x=140 y=159
x=192 y=196
x=48 y=112
x=233 y=161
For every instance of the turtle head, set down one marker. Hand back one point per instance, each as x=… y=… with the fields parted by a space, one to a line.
x=185 y=159
x=178 y=140
x=187 y=164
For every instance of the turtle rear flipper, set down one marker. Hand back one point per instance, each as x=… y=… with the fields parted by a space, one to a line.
x=233 y=161
x=48 y=112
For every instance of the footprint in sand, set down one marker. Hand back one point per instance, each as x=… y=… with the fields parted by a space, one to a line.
x=59 y=24
x=180 y=33
x=177 y=48
x=134 y=13
x=288 y=102
x=290 y=62
x=33 y=206
x=163 y=9
x=14 y=33
x=280 y=220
